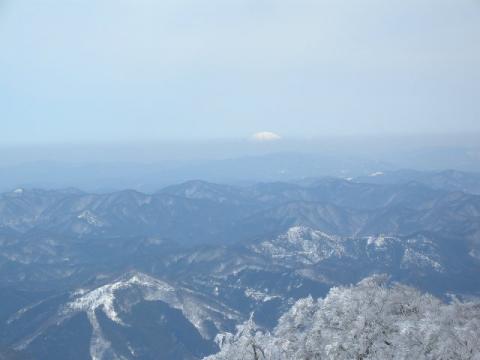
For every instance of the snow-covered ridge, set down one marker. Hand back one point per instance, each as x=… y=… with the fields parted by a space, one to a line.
x=117 y=298
x=151 y=289
x=303 y=245
x=104 y=296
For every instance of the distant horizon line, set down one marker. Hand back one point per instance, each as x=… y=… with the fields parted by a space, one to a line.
x=239 y=139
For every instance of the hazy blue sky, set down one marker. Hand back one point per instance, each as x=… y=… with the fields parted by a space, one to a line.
x=115 y=70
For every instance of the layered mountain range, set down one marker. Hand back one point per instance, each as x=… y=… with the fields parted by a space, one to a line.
x=128 y=275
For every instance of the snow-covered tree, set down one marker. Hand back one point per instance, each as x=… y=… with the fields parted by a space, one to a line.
x=372 y=320
x=247 y=343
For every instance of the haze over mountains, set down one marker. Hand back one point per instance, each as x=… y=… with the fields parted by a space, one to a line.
x=148 y=168
x=100 y=275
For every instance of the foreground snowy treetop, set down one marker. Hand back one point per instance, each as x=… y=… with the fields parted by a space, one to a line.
x=372 y=320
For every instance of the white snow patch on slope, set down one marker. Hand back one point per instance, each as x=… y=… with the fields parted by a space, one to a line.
x=378 y=241
x=90 y=218
x=412 y=257
x=259 y=295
